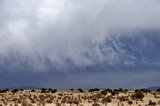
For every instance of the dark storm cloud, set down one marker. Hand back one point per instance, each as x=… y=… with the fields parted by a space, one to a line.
x=64 y=35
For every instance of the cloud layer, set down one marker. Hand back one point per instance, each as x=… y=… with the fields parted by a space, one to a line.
x=65 y=33
x=113 y=43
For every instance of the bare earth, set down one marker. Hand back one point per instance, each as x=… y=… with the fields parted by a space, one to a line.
x=77 y=98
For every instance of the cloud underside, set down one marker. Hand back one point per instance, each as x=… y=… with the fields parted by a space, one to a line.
x=63 y=34
x=112 y=43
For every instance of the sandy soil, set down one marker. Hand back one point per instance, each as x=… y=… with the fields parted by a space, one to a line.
x=77 y=98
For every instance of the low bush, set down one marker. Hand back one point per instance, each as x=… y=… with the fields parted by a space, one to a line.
x=118 y=90
x=32 y=90
x=4 y=90
x=130 y=102
x=43 y=90
x=15 y=90
x=71 y=89
x=93 y=90
x=145 y=90
x=108 y=90
x=104 y=92
x=53 y=90
x=138 y=95
x=80 y=90
x=96 y=104
x=113 y=93
x=151 y=103
x=158 y=90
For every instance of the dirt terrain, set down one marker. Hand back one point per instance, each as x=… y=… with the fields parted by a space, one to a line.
x=91 y=97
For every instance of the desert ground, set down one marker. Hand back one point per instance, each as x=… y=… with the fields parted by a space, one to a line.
x=79 y=97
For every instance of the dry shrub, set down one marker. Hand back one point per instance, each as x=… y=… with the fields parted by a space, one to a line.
x=123 y=98
x=122 y=104
x=159 y=102
x=64 y=100
x=58 y=104
x=5 y=103
x=151 y=103
x=130 y=102
x=48 y=101
x=106 y=100
x=137 y=95
x=76 y=102
x=43 y=103
x=69 y=101
x=60 y=94
x=96 y=104
x=42 y=98
x=24 y=103
x=33 y=101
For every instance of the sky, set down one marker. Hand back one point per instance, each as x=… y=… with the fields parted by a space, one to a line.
x=80 y=43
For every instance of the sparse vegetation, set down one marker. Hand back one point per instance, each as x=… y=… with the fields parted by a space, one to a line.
x=158 y=90
x=113 y=93
x=71 y=89
x=104 y=92
x=79 y=97
x=93 y=90
x=80 y=90
x=43 y=90
x=54 y=90
x=21 y=89
x=106 y=100
x=130 y=102
x=32 y=90
x=108 y=90
x=15 y=90
x=145 y=90
x=4 y=90
x=118 y=90
x=151 y=103
x=138 y=95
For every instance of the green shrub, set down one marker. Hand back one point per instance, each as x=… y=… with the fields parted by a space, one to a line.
x=158 y=90
x=108 y=90
x=54 y=90
x=80 y=90
x=15 y=90
x=113 y=93
x=104 y=92
x=21 y=89
x=93 y=90
x=106 y=100
x=49 y=89
x=138 y=95
x=118 y=90
x=4 y=90
x=43 y=90
x=145 y=90
x=32 y=90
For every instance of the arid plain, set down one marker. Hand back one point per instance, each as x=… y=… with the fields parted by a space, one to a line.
x=79 y=97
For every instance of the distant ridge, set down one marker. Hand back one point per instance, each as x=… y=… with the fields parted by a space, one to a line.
x=153 y=88
x=25 y=87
